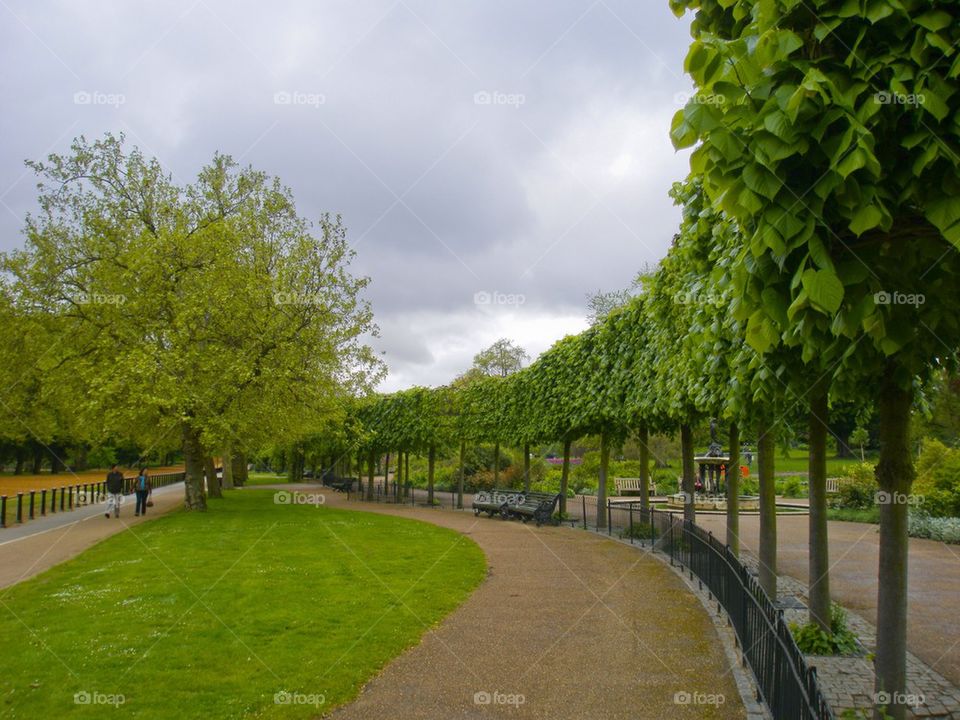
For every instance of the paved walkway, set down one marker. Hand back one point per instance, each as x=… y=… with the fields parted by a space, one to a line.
x=933 y=630
x=31 y=548
x=567 y=625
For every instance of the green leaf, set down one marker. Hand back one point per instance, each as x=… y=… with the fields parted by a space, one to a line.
x=866 y=218
x=824 y=289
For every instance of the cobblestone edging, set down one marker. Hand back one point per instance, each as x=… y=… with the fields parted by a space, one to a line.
x=848 y=682
x=739 y=670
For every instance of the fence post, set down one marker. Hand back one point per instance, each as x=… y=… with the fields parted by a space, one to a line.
x=43 y=502
x=70 y=498
x=631 y=523
x=3 y=510
x=53 y=500
x=19 y=507
x=609 y=529
x=62 y=493
x=33 y=494
x=583 y=498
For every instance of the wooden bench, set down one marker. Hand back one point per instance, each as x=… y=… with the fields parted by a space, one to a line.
x=340 y=484
x=496 y=502
x=833 y=485
x=631 y=486
x=539 y=506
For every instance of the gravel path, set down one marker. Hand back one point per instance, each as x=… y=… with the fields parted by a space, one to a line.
x=567 y=625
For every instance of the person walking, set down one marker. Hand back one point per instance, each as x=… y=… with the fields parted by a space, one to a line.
x=114 y=491
x=142 y=487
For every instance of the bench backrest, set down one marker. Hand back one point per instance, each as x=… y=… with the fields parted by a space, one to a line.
x=500 y=497
x=627 y=483
x=538 y=499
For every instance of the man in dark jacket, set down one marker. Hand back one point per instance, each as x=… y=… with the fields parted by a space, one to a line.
x=114 y=491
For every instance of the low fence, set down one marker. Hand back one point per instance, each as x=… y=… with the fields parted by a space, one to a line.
x=787 y=685
x=400 y=494
x=33 y=503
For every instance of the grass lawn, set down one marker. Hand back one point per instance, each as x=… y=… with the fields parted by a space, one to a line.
x=265 y=478
x=211 y=615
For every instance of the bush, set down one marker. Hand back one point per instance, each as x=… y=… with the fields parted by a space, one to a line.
x=938 y=479
x=791 y=487
x=922 y=525
x=858 y=488
x=812 y=640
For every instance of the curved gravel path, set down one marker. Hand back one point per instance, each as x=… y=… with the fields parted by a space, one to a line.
x=567 y=625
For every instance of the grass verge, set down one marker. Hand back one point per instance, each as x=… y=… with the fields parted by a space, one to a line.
x=212 y=615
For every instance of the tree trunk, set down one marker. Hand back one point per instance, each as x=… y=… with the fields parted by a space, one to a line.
x=297 y=461
x=689 y=480
x=194 y=499
x=213 y=482
x=431 y=462
x=643 y=440
x=406 y=474
x=56 y=459
x=238 y=464
x=819 y=550
x=565 y=477
x=386 y=476
x=80 y=457
x=496 y=463
x=463 y=462
x=602 y=485
x=766 y=449
x=733 y=491
x=371 y=471
x=895 y=474
x=526 y=467
x=227 y=460
x=21 y=460
x=37 y=459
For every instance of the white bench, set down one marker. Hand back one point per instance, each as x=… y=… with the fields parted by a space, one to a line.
x=833 y=485
x=631 y=486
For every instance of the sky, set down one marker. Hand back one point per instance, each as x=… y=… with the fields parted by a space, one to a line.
x=494 y=161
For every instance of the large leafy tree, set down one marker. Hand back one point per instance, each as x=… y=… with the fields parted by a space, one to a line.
x=212 y=310
x=835 y=147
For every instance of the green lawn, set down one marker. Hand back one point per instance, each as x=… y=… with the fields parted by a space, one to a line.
x=211 y=615
x=264 y=478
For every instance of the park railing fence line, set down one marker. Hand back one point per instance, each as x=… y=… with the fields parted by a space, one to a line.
x=786 y=684
x=30 y=503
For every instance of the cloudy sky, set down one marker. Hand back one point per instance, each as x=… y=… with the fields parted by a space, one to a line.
x=494 y=160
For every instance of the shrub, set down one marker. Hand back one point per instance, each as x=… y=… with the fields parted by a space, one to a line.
x=922 y=525
x=791 y=487
x=858 y=488
x=812 y=640
x=938 y=479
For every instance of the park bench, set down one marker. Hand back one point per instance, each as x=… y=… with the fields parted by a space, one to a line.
x=539 y=506
x=833 y=485
x=496 y=502
x=631 y=486
x=340 y=484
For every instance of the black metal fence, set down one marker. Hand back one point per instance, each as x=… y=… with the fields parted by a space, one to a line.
x=786 y=684
x=404 y=494
x=29 y=504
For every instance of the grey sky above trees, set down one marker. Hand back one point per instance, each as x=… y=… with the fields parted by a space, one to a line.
x=493 y=162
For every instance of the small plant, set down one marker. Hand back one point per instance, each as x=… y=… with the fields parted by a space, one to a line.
x=639 y=532
x=813 y=640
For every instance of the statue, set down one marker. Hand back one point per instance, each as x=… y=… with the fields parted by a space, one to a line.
x=715 y=449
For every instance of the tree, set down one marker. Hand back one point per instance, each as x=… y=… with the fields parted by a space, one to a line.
x=828 y=132
x=213 y=310
x=501 y=359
